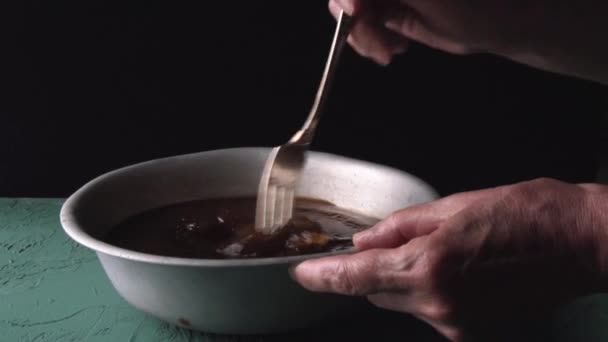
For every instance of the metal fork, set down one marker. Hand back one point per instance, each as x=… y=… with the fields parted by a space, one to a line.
x=276 y=191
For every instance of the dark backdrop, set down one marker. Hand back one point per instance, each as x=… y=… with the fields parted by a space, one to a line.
x=89 y=86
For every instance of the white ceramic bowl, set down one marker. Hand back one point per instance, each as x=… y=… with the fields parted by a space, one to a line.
x=251 y=296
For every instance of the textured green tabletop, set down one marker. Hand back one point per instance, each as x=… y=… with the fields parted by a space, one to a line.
x=51 y=289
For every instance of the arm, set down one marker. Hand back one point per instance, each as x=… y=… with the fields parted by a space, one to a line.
x=562 y=36
x=473 y=265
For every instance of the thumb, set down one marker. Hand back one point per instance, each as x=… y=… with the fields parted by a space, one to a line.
x=358 y=274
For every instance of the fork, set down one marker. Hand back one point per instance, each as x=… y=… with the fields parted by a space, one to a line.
x=276 y=190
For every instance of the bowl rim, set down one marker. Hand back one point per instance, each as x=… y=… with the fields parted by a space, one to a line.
x=79 y=235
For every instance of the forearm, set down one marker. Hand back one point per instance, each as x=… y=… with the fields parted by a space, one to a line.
x=588 y=62
x=566 y=37
x=594 y=217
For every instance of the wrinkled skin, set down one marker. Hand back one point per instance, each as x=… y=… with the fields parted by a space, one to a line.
x=473 y=264
x=563 y=36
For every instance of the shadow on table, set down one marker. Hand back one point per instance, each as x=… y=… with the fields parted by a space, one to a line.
x=376 y=325
x=585 y=320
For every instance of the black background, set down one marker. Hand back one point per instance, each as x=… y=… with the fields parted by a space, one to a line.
x=89 y=86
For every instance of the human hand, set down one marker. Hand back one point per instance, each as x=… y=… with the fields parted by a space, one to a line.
x=473 y=264
x=564 y=36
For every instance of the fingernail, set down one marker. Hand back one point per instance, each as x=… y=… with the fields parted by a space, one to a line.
x=346 y=6
x=358 y=237
x=399 y=49
x=384 y=60
x=291 y=270
x=393 y=25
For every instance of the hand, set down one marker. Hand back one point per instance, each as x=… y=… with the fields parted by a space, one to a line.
x=563 y=36
x=473 y=264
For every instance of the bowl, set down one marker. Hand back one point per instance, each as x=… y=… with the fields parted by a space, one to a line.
x=228 y=296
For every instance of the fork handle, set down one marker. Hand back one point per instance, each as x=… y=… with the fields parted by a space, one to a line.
x=305 y=134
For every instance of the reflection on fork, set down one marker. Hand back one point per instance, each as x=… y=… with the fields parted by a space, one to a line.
x=276 y=191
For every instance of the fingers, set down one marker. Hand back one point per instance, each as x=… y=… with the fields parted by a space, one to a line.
x=368 y=37
x=431 y=311
x=372 y=41
x=400 y=227
x=419 y=220
x=358 y=274
x=351 y=7
x=394 y=301
x=406 y=22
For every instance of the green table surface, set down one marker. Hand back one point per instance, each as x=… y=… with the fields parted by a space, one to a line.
x=52 y=289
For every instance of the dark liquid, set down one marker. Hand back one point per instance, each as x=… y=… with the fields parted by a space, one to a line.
x=223 y=228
